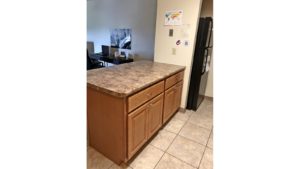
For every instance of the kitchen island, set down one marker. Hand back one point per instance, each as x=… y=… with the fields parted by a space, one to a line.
x=127 y=104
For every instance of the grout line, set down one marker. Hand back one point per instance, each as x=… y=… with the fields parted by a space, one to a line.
x=210 y=135
x=169 y=144
x=176 y=135
x=205 y=148
x=159 y=160
x=111 y=165
x=181 y=127
x=180 y=160
x=172 y=140
x=157 y=147
x=165 y=151
x=194 y=140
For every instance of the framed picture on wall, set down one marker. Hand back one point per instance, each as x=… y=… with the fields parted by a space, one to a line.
x=120 y=38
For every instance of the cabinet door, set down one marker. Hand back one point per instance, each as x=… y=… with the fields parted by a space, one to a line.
x=178 y=96
x=137 y=129
x=155 y=114
x=170 y=95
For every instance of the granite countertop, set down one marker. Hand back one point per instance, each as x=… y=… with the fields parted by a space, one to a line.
x=126 y=79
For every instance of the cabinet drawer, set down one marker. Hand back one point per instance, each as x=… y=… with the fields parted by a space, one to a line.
x=174 y=79
x=145 y=95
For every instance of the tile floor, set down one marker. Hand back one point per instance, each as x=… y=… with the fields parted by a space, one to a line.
x=186 y=142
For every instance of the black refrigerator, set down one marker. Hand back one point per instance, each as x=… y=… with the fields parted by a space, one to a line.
x=199 y=74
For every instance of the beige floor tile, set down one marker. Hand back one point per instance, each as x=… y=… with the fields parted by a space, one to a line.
x=96 y=160
x=206 y=107
x=195 y=133
x=183 y=116
x=123 y=166
x=210 y=141
x=163 y=139
x=207 y=160
x=202 y=120
x=147 y=159
x=174 y=125
x=186 y=150
x=170 y=162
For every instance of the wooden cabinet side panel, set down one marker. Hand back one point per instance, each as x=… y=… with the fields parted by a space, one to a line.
x=107 y=124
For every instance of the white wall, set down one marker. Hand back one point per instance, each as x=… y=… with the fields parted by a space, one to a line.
x=164 y=43
x=139 y=15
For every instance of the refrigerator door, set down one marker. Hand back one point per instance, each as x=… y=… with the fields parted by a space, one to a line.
x=199 y=74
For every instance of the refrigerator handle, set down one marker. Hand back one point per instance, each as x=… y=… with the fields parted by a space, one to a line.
x=205 y=61
x=211 y=28
x=209 y=38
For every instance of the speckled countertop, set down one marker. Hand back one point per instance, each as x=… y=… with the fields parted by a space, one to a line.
x=126 y=79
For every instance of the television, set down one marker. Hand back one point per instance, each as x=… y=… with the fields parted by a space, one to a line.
x=120 y=38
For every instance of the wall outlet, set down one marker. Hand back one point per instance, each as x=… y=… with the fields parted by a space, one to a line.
x=173 y=51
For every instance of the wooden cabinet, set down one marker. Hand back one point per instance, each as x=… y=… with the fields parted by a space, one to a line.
x=143 y=123
x=178 y=95
x=137 y=129
x=169 y=103
x=145 y=95
x=155 y=114
x=119 y=126
x=174 y=79
x=172 y=100
x=148 y=118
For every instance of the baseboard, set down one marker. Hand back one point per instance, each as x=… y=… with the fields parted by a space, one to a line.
x=182 y=109
x=209 y=98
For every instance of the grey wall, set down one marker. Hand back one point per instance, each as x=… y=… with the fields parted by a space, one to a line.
x=139 y=15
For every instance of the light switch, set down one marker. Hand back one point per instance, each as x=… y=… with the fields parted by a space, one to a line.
x=170 y=32
x=173 y=51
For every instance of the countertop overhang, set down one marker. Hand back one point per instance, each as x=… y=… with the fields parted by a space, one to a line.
x=126 y=79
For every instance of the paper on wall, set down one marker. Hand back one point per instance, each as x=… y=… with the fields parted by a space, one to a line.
x=173 y=17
